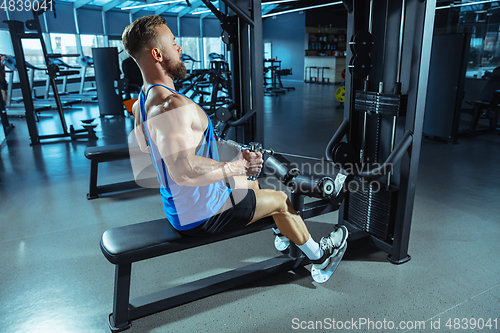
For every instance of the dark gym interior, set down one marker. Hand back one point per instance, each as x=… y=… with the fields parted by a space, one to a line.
x=422 y=95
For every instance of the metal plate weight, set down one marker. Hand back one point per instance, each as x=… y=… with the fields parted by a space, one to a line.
x=360 y=66
x=340 y=94
x=362 y=43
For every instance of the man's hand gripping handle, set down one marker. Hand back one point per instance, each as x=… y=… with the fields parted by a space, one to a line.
x=254 y=147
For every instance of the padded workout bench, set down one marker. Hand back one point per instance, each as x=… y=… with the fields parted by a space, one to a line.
x=128 y=244
x=100 y=154
x=125 y=245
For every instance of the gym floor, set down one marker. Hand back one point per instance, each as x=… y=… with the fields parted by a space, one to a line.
x=55 y=279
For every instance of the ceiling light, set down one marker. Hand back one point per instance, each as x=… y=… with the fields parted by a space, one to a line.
x=300 y=9
x=153 y=4
x=466 y=4
x=202 y=12
x=276 y=2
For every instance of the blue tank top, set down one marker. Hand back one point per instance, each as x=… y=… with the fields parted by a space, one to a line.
x=186 y=206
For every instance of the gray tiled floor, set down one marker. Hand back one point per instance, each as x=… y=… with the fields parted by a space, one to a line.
x=54 y=278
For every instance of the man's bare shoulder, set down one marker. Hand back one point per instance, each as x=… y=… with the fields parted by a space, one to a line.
x=136 y=110
x=171 y=104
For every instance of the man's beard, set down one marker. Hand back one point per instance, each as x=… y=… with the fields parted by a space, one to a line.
x=177 y=70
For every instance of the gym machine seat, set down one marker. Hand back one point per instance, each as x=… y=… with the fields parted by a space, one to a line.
x=125 y=245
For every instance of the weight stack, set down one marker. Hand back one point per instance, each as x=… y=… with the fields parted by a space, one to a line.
x=381 y=103
x=372 y=207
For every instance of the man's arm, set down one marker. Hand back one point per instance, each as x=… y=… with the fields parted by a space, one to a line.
x=171 y=129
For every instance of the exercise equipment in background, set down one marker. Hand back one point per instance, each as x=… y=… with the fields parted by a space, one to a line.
x=7 y=126
x=185 y=58
x=110 y=86
x=488 y=106
x=276 y=86
x=210 y=88
x=132 y=73
x=86 y=62
x=18 y=33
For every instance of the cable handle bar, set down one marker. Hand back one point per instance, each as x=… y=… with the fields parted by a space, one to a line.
x=253 y=147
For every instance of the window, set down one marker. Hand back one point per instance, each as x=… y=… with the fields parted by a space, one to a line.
x=7 y=49
x=191 y=47
x=88 y=42
x=482 y=23
x=211 y=45
x=6 y=43
x=267 y=50
x=267 y=55
x=33 y=55
x=65 y=44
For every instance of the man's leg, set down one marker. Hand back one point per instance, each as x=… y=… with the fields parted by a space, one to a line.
x=276 y=204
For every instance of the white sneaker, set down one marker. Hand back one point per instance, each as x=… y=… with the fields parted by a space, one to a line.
x=330 y=246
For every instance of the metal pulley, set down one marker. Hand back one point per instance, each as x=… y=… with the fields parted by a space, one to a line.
x=344 y=155
x=223 y=114
x=313 y=186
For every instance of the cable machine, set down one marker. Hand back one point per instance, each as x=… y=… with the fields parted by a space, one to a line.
x=386 y=87
x=241 y=22
x=17 y=33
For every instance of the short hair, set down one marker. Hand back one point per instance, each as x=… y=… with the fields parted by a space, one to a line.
x=141 y=34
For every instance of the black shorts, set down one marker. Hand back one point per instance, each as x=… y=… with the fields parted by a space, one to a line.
x=3 y=84
x=235 y=217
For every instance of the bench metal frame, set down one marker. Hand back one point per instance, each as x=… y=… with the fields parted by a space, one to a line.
x=114 y=153
x=126 y=310
x=95 y=190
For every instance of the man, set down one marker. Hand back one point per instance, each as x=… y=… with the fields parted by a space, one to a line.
x=180 y=138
